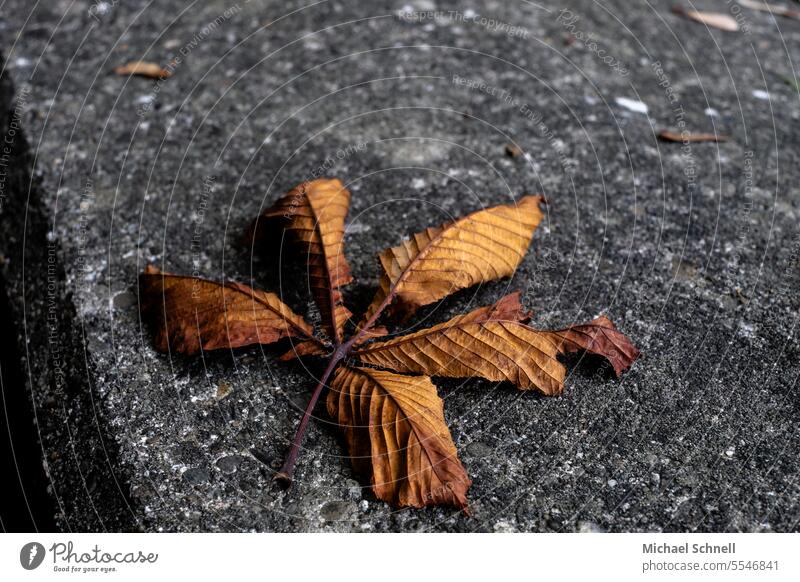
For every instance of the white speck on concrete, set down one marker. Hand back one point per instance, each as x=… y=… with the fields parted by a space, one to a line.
x=102 y=8
x=711 y=112
x=747 y=330
x=632 y=105
x=759 y=94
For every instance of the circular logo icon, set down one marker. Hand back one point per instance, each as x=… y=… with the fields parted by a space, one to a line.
x=31 y=555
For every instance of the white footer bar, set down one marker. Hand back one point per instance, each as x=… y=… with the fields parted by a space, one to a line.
x=400 y=557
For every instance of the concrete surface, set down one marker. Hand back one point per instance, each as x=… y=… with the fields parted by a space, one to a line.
x=693 y=251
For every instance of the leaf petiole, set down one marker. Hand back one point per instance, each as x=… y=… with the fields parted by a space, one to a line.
x=285 y=475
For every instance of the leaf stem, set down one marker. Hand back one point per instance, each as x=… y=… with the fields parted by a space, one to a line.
x=286 y=473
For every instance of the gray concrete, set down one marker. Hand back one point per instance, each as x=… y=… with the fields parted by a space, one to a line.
x=693 y=252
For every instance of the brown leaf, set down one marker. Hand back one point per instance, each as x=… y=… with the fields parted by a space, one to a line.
x=785 y=11
x=713 y=19
x=189 y=314
x=513 y=151
x=313 y=215
x=599 y=337
x=673 y=136
x=396 y=432
x=143 y=69
x=485 y=245
x=489 y=342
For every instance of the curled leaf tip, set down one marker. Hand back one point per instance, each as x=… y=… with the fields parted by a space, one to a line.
x=599 y=337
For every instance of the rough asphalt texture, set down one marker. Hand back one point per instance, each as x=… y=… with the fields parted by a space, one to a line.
x=692 y=251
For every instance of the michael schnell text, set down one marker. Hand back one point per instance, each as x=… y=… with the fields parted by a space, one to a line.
x=686 y=548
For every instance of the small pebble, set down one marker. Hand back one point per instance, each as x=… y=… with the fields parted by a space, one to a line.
x=224 y=390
